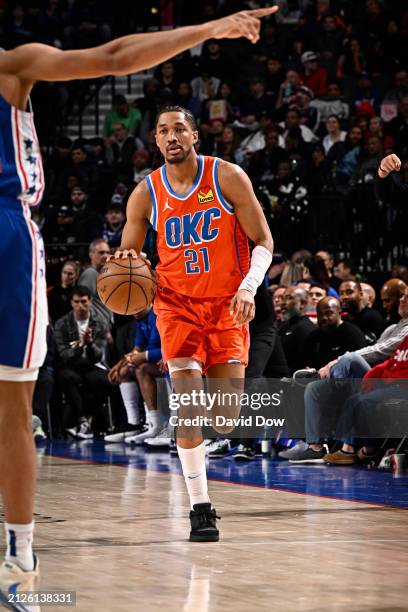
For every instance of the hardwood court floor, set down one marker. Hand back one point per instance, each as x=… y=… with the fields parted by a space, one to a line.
x=116 y=533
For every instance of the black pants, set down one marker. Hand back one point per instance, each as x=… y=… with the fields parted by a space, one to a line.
x=42 y=394
x=86 y=388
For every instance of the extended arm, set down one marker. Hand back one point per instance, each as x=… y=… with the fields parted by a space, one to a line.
x=33 y=62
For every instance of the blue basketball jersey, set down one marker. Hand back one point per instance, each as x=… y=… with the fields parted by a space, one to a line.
x=21 y=172
x=23 y=301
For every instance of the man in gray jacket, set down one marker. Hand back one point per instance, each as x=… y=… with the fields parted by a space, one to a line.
x=322 y=395
x=81 y=342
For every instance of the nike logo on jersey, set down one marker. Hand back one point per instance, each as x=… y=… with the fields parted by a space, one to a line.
x=167 y=205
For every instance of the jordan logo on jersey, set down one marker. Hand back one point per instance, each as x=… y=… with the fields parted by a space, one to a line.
x=205 y=195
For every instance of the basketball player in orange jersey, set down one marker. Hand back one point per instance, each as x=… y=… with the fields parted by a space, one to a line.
x=23 y=308
x=204 y=210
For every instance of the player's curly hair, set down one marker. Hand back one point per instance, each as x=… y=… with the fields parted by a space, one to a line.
x=178 y=109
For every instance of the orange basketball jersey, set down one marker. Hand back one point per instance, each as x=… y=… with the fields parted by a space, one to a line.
x=202 y=248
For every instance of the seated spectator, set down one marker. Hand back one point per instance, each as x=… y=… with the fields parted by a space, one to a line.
x=275 y=271
x=205 y=86
x=330 y=42
x=184 y=97
x=288 y=89
x=141 y=166
x=319 y=395
x=229 y=143
x=347 y=154
x=376 y=128
x=369 y=294
x=256 y=141
x=59 y=296
x=222 y=107
x=275 y=74
x=390 y=371
x=328 y=261
x=255 y=103
x=367 y=319
x=114 y=223
x=292 y=120
x=334 y=133
x=124 y=114
x=309 y=115
x=366 y=94
x=353 y=61
x=316 y=293
x=315 y=271
x=367 y=166
x=120 y=148
x=263 y=164
x=81 y=342
x=344 y=271
x=88 y=24
x=391 y=293
x=81 y=167
x=332 y=103
x=145 y=363
x=333 y=337
x=295 y=328
x=98 y=254
x=166 y=75
x=213 y=60
x=314 y=76
x=277 y=302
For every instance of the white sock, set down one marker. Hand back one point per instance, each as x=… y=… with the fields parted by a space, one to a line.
x=19 y=545
x=194 y=471
x=153 y=418
x=130 y=396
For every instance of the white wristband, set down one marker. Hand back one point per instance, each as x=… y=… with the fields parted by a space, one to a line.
x=261 y=259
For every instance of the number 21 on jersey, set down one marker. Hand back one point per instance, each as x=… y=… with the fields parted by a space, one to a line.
x=197 y=262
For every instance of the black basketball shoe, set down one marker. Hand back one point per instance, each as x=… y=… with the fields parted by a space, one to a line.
x=203 y=527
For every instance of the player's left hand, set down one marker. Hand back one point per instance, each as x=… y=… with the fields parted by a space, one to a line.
x=242 y=307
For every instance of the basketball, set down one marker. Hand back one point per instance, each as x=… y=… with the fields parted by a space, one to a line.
x=126 y=286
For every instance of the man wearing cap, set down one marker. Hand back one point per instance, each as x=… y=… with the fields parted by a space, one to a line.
x=309 y=115
x=314 y=76
x=114 y=221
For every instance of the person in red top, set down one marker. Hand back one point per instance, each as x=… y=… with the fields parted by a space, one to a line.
x=393 y=374
x=204 y=210
x=314 y=77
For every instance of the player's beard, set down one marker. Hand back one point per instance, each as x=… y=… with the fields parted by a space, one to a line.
x=180 y=157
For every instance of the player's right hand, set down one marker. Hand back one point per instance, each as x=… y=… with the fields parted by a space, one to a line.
x=244 y=23
x=124 y=254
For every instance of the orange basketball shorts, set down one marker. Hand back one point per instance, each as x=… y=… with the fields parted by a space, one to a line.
x=199 y=328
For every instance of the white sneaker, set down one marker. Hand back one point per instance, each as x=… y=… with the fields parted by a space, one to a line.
x=291 y=452
x=15 y=580
x=163 y=438
x=39 y=434
x=214 y=445
x=121 y=436
x=151 y=432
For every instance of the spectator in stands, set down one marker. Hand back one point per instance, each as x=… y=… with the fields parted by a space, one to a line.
x=366 y=95
x=184 y=97
x=205 y=86
x=86 y=223
x=141 y=166
x=222 y=107
x=114 y=222
x=334 y=133
x=314 y=76
x=277 y=302
x=400 y=270
x=353 y=61
x=145 y=362
x=255 y=103
x=332 y=103
x=288 y=88
x=333 y=337
x=296 y=326
x=309 y=115
x=344 y=271
x=315 y=271
x=81 y=342
x=80 y=167
x=316 y=293
x=213 y=61
x=369 y=294
x=292 y=120
x=263 y=164
x=274 y=74
x=228 y=144
x=120 y=149
x=376 y=128
x=391 y=293
x=50 y=23
x=398 y=127
x=98 y=254
x=347 y=154
x=329 y=265
x=59 y=296
x=366 y=169
x=275 y=271
x=330 y=42
x=367 y=319
x=124 y=114
x=319 y=395
x=391 y=372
